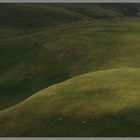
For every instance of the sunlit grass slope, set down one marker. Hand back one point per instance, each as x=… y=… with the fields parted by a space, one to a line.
x=102 y=103
x=33 y=60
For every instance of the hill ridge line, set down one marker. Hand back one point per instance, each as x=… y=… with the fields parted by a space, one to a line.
x=39 y=92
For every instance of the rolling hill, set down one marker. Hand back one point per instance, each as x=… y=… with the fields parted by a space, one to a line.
x=66 y=67
x=31 y=61
x=102 y=103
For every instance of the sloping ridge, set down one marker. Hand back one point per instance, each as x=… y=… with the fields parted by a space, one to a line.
x=93 y=104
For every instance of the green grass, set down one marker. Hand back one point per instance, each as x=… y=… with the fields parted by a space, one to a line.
x=37 y=59
x=50 y=47
x=102 y=103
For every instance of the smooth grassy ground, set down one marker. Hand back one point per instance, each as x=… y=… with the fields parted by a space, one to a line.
x=102 y=103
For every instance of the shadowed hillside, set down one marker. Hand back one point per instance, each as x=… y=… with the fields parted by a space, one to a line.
x=30 y=16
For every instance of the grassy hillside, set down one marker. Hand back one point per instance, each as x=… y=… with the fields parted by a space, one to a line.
x=84 y=56
x=102 y=103
x=26 y=66
x=39 y=58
